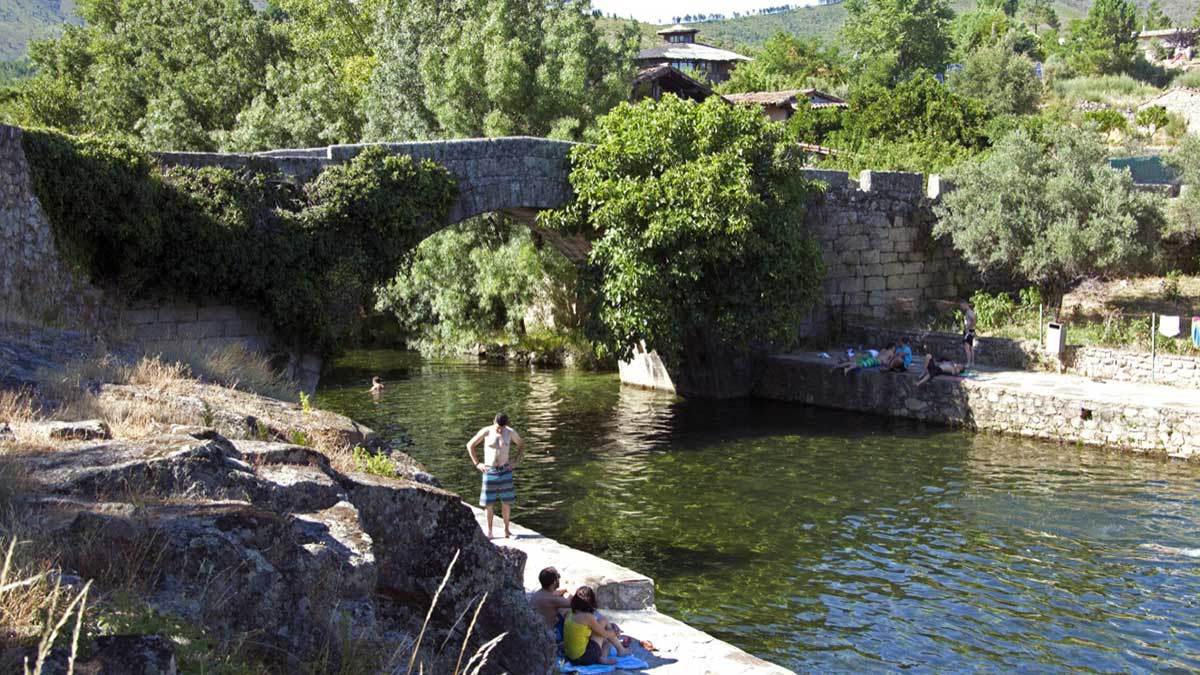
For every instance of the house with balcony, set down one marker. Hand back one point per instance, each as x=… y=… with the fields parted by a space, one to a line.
x=699 y=61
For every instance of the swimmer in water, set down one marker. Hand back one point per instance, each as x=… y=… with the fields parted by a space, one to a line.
x=376 y=385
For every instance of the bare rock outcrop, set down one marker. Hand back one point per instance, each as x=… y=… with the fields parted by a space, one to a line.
x=266 y=539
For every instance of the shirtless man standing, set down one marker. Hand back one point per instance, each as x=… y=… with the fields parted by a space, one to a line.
x=550 y=601
x=496 y=469
x=968 y=332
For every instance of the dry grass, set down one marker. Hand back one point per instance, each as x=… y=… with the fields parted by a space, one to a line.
x=34 y=609
x=234 y=366
x=1133 y=297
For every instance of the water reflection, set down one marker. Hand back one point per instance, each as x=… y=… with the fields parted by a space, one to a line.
x=830 y=542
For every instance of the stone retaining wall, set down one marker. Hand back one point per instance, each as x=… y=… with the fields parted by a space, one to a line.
x=36 y=286
x=984 y=405
x=1128 y=366
x=881 y=259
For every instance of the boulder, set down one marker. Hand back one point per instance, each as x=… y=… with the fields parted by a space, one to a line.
x=417 y=530
x=88 y=430
x=130 y=655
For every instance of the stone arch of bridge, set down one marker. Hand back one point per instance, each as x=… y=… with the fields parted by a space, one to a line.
x=513 y=176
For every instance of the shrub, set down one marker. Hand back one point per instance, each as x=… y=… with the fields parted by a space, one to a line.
x=1107 y=120
x=1154 y=117
x=1047 y=212
x=1111 y=89
x=697 y=219
x=309 y=256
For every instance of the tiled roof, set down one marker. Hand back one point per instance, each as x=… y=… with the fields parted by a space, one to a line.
x=816 y=98
x=688 y=51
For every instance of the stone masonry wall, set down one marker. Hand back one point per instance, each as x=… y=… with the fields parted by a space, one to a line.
x=36 y=286
x=880 y=255
x=985 y=405
x=1129 y=366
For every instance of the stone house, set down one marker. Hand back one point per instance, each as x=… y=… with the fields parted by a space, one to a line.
x=1183 y=101
x=779 y=106
x=681 y=51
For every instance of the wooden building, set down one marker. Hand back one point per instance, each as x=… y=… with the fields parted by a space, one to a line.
x=681 y=51
x=655 y=81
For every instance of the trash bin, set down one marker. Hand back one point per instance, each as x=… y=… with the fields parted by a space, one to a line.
x=1056 y=338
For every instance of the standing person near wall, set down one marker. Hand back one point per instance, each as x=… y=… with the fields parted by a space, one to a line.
x=496 y=469
x=969 y=319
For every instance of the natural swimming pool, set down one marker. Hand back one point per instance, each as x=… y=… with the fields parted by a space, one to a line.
x=824 y=541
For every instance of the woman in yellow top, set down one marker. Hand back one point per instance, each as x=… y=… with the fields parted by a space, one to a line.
x=586 y=636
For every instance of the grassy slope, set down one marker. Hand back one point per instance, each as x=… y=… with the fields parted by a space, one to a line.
x=25 y=20
x=825 y=21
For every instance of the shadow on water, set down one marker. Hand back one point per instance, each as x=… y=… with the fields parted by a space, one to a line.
x=824 y=541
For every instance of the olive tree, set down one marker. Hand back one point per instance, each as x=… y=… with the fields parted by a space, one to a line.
x=696 y=213
x=1046 y=210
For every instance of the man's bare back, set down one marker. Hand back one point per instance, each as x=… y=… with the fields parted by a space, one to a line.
x=548 y=603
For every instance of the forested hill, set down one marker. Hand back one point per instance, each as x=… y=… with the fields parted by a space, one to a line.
x=825 y=21
x=25 y=20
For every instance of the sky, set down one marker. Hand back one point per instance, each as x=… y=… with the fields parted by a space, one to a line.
x=661 y=11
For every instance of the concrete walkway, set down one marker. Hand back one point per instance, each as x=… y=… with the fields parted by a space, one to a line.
x=627 y=598
x=1155 y=419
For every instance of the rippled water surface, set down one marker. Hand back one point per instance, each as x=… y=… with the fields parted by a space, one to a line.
x=830 y=542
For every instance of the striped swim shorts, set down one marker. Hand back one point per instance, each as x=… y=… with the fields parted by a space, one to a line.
x=497 y=486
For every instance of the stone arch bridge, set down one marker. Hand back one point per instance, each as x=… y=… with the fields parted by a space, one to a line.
x=515 y=176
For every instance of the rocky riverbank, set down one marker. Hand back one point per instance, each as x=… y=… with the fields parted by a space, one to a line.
x=224 y=531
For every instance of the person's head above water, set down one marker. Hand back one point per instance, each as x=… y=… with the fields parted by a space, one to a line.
x=501 y=420
x=375 y=380
x=548 y=578
x=584 y=600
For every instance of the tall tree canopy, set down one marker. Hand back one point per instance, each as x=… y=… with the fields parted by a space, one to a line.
x=697 y=218
x=172 y=72
x=1104 y=42
x=891 y=39
x=495 y=67
x=1046 y=210
x=788 y=62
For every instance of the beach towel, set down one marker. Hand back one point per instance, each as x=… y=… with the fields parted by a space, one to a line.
x=630 y=662
x=1196 y=331
x=1168 y=326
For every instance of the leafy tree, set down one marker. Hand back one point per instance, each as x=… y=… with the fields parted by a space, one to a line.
x=1009 y=7
x=787 y=62
x=1154 y=117
x=697 y=219
x=1183 y=214
x=1003 y=81
x=1038 y=13
x=1154 y=18
x=495 y=67
x=314 y=96
x=1046 y=213
x=474 y=283
x=171 y=72
x=1104 y=42
x=892 y=39
x=986 y=28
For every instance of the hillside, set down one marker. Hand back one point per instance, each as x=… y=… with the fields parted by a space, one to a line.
x=825 y=21
x=24 y=20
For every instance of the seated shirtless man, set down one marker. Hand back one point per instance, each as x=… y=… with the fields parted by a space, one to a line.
x=551 y=602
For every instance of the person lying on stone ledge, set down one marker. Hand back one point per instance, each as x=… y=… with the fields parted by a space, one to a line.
x=942 y=366
x=587 y=634
x=868 y=359
x=551 y=602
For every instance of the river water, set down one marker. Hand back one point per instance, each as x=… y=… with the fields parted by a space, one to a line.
x=829 y=542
